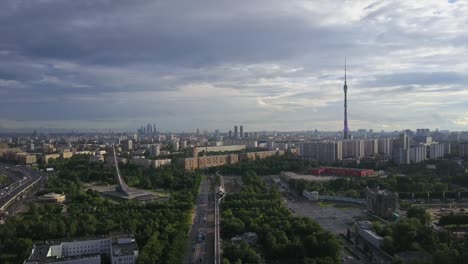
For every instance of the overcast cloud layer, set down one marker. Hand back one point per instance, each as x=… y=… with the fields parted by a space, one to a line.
x=212 y=64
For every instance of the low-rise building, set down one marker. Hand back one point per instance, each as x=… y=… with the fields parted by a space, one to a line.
x=161 y=162
x=247 y=156
x=217 y=160
x=9 y=153
x=248 y=143
x=52 y=198
x=188 y=164
x=47 y=157
x=27 y=159
x=365 y=231
x=82 y=152
x=66 y=154
x=221 y=148
x=249 y=237
x=312 y=195
x=347 y=172
x=267 y=154
x=141 y=162
x=118 y=249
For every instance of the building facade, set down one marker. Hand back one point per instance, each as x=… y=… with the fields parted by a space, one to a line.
x=347 y=172
x=463 y=150
x=382 y=203
x=119 y=249
x=322 y=151
x=385 y=146
x=202 y=162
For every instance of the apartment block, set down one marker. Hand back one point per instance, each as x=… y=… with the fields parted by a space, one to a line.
x=321 y=151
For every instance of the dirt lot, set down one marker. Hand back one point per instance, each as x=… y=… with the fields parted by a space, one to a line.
x=332 y=217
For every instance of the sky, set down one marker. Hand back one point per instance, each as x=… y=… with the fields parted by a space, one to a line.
x=267 y=65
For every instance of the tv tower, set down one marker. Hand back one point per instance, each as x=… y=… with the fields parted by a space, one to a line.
x=345 y=89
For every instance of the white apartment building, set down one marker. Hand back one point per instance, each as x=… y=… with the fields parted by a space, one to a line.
x=120 y=250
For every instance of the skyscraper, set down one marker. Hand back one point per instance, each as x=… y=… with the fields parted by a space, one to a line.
x=241 y=131
x=345 y=89
x=401 y=150
x=236 y=133
x=149 y=129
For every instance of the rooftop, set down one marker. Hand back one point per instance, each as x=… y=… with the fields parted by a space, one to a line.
x=52 y=196
x=122 y=245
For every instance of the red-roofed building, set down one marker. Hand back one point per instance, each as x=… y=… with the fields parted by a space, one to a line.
x=346 y=172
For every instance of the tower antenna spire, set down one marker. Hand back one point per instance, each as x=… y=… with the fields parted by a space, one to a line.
x=345 y=69
x=345 y=90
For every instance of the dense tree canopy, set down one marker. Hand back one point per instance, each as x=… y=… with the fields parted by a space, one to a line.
x=415 y=234
x=283 y=238
x=416 y=178
x=160 y=228
x=271 y=165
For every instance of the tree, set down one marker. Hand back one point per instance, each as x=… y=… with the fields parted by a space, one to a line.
x=421 y=214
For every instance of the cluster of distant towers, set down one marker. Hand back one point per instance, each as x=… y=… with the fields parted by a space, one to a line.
x=238 y=134
x=147 y=130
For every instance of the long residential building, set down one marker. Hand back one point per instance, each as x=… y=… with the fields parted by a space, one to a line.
x=405 y=153
x=222 y=148
x=371 y=147
x=463 y=150
x=418 y=154
x=202 y=162
x=322 y=151
x=385 y=146
x=118 y=249
x=249 y=143
x=353 y=148
x=147 y=163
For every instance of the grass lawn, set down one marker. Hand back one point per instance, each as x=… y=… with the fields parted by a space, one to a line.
x=325 y=204
x=3 y=179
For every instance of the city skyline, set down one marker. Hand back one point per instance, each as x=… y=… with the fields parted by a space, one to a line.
x=267 y=65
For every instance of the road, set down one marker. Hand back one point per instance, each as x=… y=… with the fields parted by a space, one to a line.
x=200 y=243
x=22 y=180
x=220 y=192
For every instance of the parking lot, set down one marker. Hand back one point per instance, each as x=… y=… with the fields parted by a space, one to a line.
x=332 y=217
x=335 y=218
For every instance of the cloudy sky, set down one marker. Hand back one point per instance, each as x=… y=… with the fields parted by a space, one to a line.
x=210 y=64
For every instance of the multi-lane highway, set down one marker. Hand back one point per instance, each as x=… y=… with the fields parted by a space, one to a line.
x=219 y=195
x=22 y=179
x=199 y=247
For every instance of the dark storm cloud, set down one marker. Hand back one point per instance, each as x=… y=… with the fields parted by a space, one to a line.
x=119 y=33
x=148 y=36
x=90 y=59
